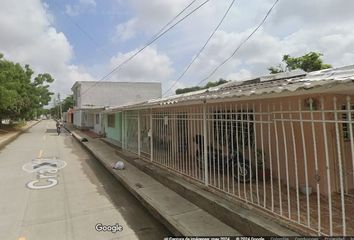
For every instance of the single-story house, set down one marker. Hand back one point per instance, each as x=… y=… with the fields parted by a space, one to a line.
x=283 y=143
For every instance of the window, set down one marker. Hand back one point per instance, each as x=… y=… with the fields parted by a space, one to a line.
x=346 y=126
x=111 y=120
x=97 y=119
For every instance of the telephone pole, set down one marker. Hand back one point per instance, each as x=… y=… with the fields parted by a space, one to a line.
x=60 y=108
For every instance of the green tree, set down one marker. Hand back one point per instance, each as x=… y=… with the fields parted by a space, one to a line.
x=68 y=102
x=309 y=62
x=21 y=96
x=196 y=88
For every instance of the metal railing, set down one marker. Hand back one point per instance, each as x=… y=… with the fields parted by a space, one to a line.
x=293 y=158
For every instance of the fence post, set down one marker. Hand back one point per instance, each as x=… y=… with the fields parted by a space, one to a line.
x=123 y=130
x=151 y=139
x=205 y=145
x=139 y=140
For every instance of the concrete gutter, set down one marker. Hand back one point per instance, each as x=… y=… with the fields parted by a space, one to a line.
x=12 y=136
x=180 y=216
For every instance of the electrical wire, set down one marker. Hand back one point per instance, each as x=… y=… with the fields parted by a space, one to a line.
x=201 y=50
x=173 y=19
x=78 y=26
x=241 y=44
x=145 y=46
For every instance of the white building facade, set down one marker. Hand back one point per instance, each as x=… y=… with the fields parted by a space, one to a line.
x=90 y=98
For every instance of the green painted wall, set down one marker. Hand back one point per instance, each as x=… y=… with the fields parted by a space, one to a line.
x=116 y=132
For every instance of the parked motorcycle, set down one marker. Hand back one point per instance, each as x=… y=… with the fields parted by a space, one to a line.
x=223 y=161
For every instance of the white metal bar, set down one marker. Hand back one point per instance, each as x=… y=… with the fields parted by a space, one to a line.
x=286 y=161
x=278 y=166
x=238 y=152
x=185 y=128
x=255 y=151
x=123 y=130
x=222 y=122
x=151 y=138
x=305 y=163
x=249 y=150
x=196 y=163
x=190 y=144
x=316 y=169
x=170 y=138
x=139 y=135
x=213 y=145
x=270 y=160
x=160 y=125
x=227 y=141
x=209 y=143
x=232 y=150
x=263 y=163
x=296 y=168
x=243 y=152
x=175 y=138
x=200 y=130
x=351 y=132
x=205 y=146
x=328 y=169
x=340 y=168
x=217 y=147
x=165 y=134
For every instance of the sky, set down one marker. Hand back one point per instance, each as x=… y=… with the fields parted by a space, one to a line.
x=83 y=40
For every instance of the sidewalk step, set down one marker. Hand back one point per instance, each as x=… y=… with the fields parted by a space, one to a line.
x=179 y=215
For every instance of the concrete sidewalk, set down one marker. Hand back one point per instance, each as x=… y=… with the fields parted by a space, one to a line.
x=9 y=137
x=179 y=215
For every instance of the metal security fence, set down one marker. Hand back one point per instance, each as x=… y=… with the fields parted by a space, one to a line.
x=292 y=157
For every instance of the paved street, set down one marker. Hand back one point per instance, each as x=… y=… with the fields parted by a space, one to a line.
x=51 y=188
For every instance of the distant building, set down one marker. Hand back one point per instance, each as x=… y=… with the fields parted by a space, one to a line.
x=90 y=98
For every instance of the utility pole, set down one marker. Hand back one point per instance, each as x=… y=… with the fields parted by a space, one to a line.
x=60 y=108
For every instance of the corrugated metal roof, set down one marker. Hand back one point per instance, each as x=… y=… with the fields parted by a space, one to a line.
x=273 y=83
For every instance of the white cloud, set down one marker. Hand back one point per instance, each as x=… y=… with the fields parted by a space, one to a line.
x=294 y=27
x=28 y=37
x=149 y=65
x=125 y=31
x=78 y=8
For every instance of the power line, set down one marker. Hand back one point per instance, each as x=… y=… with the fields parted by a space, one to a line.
x=241 y=44
x=203 y=47
x=145 y=46
x=173 y=19
x=78 y=26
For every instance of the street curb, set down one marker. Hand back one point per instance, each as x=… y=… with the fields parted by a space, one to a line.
x=245 y=219
x=16 y=135
x=175 y=229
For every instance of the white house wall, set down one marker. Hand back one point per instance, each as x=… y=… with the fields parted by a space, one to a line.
x=115 y=93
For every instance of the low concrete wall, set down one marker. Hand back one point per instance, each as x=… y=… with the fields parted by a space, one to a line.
x=249 y=221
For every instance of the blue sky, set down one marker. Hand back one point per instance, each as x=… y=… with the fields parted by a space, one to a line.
x=44 y=34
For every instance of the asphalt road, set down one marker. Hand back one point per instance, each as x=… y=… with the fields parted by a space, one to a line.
x=51 y=188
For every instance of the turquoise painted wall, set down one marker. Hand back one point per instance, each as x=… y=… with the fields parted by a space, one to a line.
x=116 y=132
